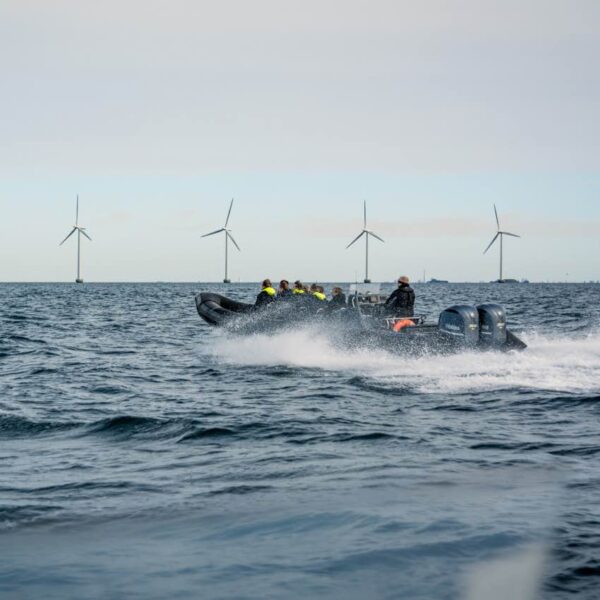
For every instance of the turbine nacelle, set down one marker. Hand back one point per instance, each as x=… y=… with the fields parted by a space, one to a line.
x=80 y=230
x=366 y=232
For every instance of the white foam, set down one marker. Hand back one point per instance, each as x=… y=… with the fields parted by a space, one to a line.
x=569 y=365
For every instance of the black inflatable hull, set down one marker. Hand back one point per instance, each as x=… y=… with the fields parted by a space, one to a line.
x=348 y=326
x=219 y=310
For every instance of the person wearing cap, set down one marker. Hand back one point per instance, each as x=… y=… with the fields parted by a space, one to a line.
x=267 y=294
x=402 y=301
x=284 y=292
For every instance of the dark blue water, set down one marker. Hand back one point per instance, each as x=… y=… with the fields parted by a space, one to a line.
x=146 y=455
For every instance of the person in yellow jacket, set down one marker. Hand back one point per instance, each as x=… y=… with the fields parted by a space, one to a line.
x=318 y=292
x=298 y=289
x=267 y=294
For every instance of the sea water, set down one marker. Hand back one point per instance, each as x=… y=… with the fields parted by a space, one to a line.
x=144 y=454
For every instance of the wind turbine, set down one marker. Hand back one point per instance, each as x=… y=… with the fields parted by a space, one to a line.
x=228 y=237
x=80 y=231
x=366 y=232
x=500 y=234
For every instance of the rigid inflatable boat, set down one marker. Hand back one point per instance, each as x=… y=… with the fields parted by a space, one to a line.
x=364 y=321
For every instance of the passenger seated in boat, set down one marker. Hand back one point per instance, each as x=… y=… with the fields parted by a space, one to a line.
x=298 y=289
x=318 y=293
x=338 y=299
x=284 y=292
x=402 y=301
x=267 y=294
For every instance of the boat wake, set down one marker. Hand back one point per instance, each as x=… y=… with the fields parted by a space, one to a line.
x=556 y=364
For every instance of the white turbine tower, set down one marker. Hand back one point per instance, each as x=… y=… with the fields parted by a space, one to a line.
x=80 y=231
x=366 y=232
x=228 y=237
x=500 y=234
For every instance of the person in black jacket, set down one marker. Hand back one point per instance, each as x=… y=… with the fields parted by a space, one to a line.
x=267 y=294
x=402 y=301
x=284 y=292
x=338 y=299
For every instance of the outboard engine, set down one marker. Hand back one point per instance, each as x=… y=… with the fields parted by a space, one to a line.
x=462 y=323
x=492 y=325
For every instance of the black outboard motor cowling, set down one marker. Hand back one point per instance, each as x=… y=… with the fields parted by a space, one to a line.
x=492 y=325
x=462 y=323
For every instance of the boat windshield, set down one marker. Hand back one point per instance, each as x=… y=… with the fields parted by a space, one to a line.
x=365 y=289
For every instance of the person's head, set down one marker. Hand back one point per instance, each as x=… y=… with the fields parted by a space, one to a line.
x=336 y=291
x=320 y=289
x=314 y=288
x=403 y=281
x=266 y=284
x=298 y=285
x=284 y=284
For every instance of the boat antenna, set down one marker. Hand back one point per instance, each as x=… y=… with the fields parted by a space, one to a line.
x=228 y=236
x=500 y=234
x=80 y=231
x=366 y=232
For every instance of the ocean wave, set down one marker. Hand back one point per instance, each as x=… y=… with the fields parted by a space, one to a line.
x=90 y=488
x=122 y=426
x=26 y=339
x=209 y=432
x=13 y=516
x=17 y=426
x=126 y=427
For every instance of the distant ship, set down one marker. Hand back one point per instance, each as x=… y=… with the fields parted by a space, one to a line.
x=505 y=281
x=433 y=280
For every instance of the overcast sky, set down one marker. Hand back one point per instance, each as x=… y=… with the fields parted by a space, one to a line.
x=158 y=112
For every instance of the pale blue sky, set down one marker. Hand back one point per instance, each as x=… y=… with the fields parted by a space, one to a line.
x=157 y=113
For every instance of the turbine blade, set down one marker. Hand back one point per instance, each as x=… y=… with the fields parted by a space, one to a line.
x=84 y=233
x=70 y=234
x=511 y=234
x=213 y=232
x=77 y=211
x=497 y=219
x=375 y=236
x=492 y=242
x=228 y=214
x=356 y=239
x=365 y=214
x=234 y=242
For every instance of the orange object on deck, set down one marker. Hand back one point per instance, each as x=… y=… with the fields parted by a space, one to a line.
x=402 y=323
